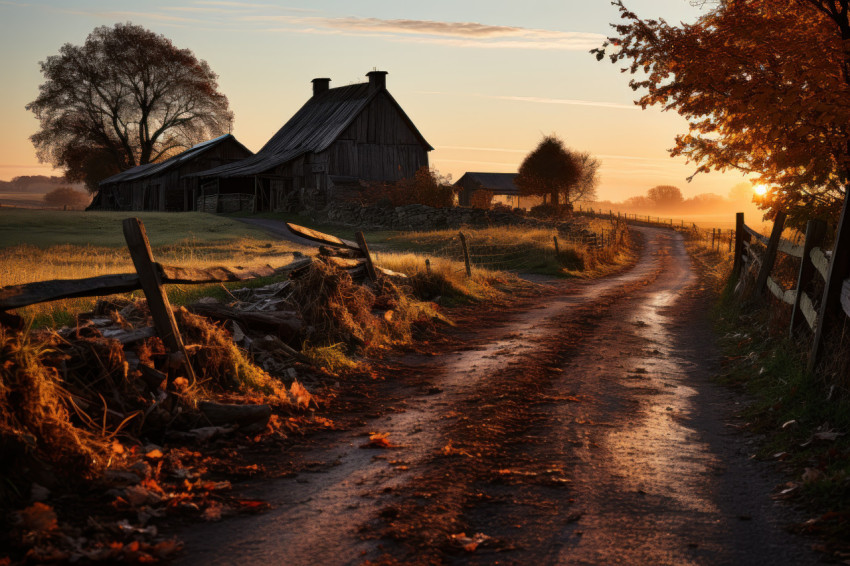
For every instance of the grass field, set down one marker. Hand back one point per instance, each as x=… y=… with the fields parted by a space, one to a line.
x=41 y=245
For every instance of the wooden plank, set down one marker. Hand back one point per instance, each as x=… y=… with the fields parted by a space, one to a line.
x=845 y=296
x=753 y=234
x=790 y=248
x=815 y=232
x=739 y=245
x=370 y=267
x=160 y=308
x=184 y=275
x=839 y=265
x=808 y=310
x=17 y=296
x=819 y=261
x=786 y=296
x=128 y=336
x=770 y=254
x=321 y=237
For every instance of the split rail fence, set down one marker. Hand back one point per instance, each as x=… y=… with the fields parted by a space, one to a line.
x=150 y=277
x=753 y=268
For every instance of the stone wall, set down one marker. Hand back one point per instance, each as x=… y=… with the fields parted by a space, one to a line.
x=417 y=217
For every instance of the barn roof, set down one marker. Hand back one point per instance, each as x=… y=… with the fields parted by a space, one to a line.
x=498 y=183
x=312 y=129
x=151 y=169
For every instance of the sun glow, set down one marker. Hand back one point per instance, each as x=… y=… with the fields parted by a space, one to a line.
x=760 y=190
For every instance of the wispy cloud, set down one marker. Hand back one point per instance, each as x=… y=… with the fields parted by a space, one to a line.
x=466 y=34
x=538 y=99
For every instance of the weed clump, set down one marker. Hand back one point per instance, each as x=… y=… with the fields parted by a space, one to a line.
x=36 y=430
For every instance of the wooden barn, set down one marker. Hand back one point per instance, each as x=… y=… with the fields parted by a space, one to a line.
x=167 y=185
x=339 y=140
x=496 y=188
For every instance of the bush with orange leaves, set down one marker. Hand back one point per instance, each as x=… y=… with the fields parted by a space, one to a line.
x=427 y=187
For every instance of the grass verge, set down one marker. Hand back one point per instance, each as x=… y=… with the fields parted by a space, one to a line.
x=801 y=420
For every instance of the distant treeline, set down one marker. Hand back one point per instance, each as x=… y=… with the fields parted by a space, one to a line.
x=36 y=184
x=669 y=200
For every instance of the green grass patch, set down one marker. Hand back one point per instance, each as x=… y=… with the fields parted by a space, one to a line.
x=46 y=228
x=344 y=232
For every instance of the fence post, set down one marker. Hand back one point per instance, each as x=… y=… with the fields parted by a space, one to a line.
x=770 y=253
x=465 y=254
x=427 y=266
x=815 y=232
x=838 y=270
x=739 y=245
x=370 y=267
x=731 y=239
x=712 y=238
x=557 y=251
x=149 y=278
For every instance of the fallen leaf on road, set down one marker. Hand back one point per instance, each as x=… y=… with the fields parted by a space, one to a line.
x=379 y=440
x=450 y=450
x=469 y=544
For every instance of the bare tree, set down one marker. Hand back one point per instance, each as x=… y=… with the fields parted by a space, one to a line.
x=126 y=97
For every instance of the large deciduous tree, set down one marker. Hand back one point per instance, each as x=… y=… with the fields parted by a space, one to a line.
x=765 y=87
x=555 y=170
x=126 y=97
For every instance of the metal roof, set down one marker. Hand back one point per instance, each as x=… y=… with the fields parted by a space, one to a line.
x=151 y=169
x=498 y=183
x=313 y=128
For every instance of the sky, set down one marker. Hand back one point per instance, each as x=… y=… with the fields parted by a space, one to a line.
x=483 y=80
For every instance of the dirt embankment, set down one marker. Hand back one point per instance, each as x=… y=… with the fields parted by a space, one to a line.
x=578 y=428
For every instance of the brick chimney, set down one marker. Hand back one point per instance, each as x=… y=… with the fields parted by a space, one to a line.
x=320 y=86
x=377 y=80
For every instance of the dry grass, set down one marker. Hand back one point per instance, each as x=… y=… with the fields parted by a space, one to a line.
x=25 y=264
x=367 y=318
x=35 y=420
x=521 y=249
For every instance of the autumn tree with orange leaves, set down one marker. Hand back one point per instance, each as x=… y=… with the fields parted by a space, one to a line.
x=765 y=87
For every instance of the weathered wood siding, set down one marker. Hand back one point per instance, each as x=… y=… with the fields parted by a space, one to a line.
x=379 y=145
x=168 y=191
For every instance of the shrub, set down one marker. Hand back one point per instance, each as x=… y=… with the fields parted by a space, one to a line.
x=427 y=187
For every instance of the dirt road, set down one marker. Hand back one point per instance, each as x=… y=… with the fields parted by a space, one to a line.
x=579 y=428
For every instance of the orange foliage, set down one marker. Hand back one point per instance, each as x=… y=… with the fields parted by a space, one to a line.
x=765 y=87
x=481 y=198
x=427 y=187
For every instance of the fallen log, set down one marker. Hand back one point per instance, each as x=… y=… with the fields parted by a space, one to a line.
x=254 y=417
x=283 y=323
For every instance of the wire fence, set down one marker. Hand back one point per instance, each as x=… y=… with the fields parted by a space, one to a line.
x=483 y=251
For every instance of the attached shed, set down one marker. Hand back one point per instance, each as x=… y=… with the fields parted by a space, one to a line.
x=167 y=185
x=341 y=138
x=500 y=185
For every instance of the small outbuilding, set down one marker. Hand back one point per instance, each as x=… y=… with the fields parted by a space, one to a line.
x=340 y=140
x=486 y=189
x=167 y=185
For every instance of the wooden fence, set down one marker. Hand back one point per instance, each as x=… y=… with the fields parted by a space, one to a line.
x=150 y=277
x=753 y=269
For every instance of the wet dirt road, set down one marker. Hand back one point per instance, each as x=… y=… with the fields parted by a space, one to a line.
x=581 y=429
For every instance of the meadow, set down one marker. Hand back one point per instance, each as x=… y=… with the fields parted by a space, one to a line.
x=40 y=245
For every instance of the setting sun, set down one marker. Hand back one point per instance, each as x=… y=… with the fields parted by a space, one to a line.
x=760 y=190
